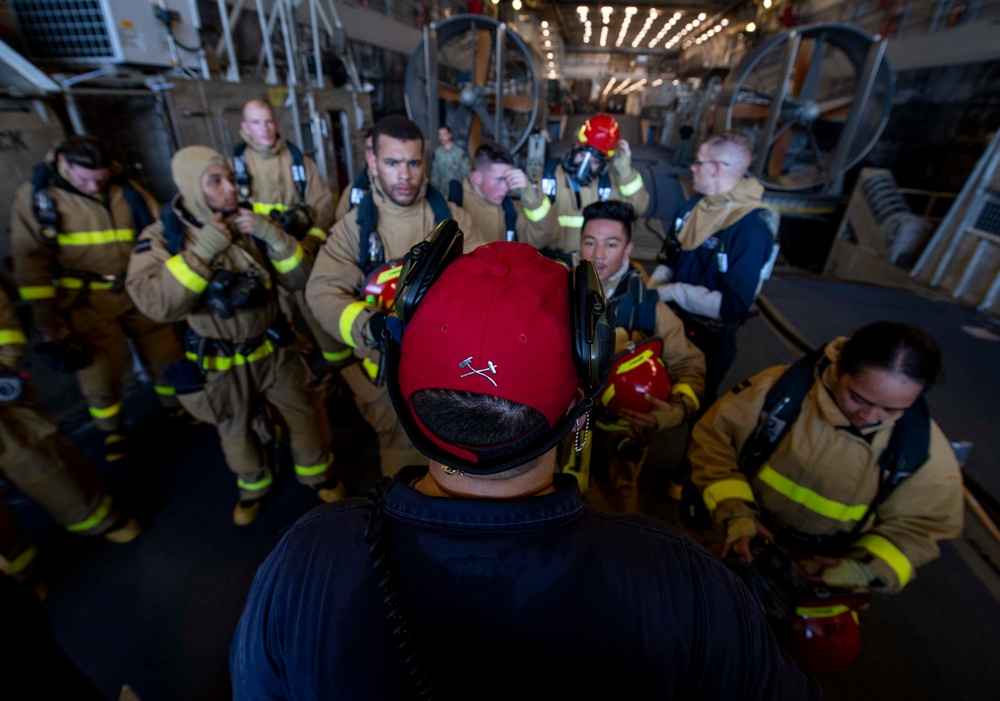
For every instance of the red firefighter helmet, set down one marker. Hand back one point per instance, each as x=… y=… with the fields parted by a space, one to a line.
x=380 y=286
x=634 y=374
x=825 y=639
x=601 y=132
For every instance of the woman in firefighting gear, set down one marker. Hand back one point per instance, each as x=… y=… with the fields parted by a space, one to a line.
x=44 y=465
x=835 y=490
x=597 y=169
x=216 y=268
x=73 y=228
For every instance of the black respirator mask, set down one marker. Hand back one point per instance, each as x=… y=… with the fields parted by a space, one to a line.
x=584 y=172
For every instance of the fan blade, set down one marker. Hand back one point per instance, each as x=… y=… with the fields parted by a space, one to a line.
x=778 y=154
x=475 y=133
x=803 y=60
x=448 y=93
x=519 y=103
x=482 y=56
x=746 y=110
x=836 y=109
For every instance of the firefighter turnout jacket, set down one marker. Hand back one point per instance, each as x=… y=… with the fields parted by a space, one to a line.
x=824 y=474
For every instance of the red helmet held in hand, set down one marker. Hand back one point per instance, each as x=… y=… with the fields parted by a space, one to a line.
x=380 y=286
x=601 y=132
x=634 y=374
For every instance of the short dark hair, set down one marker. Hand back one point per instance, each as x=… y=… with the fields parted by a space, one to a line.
x=475 y=420
x=445 y=127
x=86 y=152
x=615 y=210
x=489 y=153
x=396 y=126
x=897 y=348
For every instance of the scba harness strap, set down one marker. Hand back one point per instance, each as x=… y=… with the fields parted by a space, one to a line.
x=44 y=176
x=550 y=186
x=371 y=251
x=635 y=304
x=908 y=449
x=456 y=195
x=243 y=179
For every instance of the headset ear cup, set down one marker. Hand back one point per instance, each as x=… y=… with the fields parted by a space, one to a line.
x=424 y=264
x=593 y=327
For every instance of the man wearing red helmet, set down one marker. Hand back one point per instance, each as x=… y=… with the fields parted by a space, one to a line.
x=482 y=574
x=624 y=433
x=582 y=177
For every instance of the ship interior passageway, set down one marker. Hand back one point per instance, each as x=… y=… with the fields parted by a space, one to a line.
x=158 y=614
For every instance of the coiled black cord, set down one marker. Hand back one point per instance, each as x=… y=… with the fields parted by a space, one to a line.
x=387 y=573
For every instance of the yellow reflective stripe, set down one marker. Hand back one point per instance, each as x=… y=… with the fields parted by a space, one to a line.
x=254 y=486
x=185 y=275
x=685 y=389
x=631 y=363
x=571 y=221
x=165 y=390
x=95 y=238
x=539 y=212
x=390 y=274
x=106 y=412
x=75 y=283
x=718 y=492
x=266 y=208
x=99 y=515
x=221 y=363
x=893 y=556
x=810 y=499
x=313 y=470
x=607 y=395
x=12 y=337
x=37 y=292
x=317 y=233
x=348 y=317
x=631 y=187
x=335 y=356
x=821 y=611
x=19 y=563
x=371 y=367
x=286 y=265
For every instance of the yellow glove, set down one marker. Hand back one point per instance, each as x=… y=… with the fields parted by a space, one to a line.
x=743 y=526
x=848 y=573
x=673 y=416
x=622 y=162
x=10 y=355
x=211 y=240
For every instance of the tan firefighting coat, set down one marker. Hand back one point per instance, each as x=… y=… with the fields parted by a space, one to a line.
x=557 y=224
x=490 y=220
x=821 y=477
x=333 y=294
x=273 y=188
x=96 y=235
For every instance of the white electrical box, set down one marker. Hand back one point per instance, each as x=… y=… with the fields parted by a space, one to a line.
x=108 y=31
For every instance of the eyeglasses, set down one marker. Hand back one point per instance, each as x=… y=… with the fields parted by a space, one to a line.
x=701 y=163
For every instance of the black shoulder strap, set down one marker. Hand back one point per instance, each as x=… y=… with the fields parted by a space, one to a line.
x=43 y=204
x=604 y=187
x=455 y=192
x=635 y=305
x=909 y=446
x=240 y=170
x=781 y=407
x=549 y=178
x=298 y=169
x=509 y=218
x=173 y=230
x=438 y=204
x=141 y=216
x=371 y=252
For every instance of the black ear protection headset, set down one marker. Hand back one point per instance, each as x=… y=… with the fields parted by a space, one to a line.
x=592 y=329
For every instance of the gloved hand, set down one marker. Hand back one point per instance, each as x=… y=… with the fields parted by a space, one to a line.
x=662 y=415
x=623 y=159
x=666 y=292
x=213 y=239
x=10 y=355
x=848 y=573
x=270 y=233
x=661 y=276
x=742 y=526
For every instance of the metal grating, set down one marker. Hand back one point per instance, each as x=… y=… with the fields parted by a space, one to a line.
x=989 y=217
x=64 y=29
